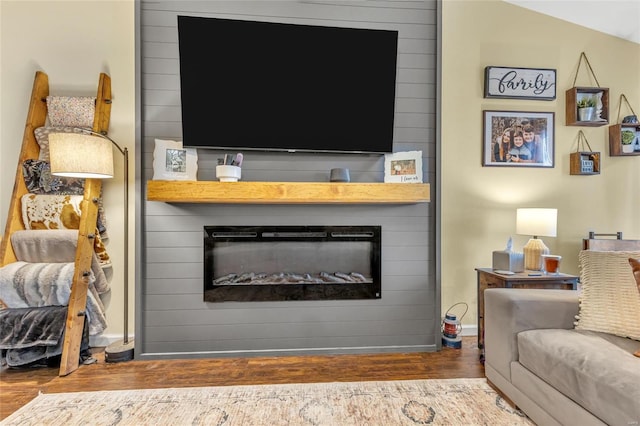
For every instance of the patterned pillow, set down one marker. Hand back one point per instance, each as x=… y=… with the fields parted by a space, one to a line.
x=610 y=300
x=59 y=212
x=78 y=111
x=42 y=137
x=39 y=180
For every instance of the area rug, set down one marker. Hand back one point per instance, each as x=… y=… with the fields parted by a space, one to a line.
x=410 y=402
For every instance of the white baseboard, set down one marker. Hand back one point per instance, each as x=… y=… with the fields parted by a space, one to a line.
x=469 y=330
x=104 y=340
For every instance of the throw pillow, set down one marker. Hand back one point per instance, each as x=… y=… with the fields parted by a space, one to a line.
x=42 y=137
x=635 y=267
x=72 y=111
x=39 y=180
x=610 y=300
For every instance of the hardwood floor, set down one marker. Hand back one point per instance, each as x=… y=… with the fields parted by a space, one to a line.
x=19 y=386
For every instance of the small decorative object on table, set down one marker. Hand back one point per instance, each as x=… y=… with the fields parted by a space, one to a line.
x=551 y=263
x=339 y=175
x=507 y=259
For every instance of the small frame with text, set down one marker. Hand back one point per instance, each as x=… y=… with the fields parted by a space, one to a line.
x=520 y=83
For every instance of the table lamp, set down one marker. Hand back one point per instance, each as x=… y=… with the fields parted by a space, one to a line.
x=536 y=222
x=90 y=155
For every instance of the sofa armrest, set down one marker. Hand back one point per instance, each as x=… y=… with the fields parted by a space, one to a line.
x=509 y=311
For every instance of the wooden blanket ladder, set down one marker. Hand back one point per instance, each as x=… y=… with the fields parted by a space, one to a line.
x=36 y=117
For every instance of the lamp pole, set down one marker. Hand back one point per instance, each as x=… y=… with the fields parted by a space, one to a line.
x=121 y=350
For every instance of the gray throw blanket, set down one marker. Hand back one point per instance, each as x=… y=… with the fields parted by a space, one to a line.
x=31 y=335
x=25 y=285
x=55 y=246
x=27 y=327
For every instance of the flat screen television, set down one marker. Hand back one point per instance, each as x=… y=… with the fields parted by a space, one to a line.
x=286 y=87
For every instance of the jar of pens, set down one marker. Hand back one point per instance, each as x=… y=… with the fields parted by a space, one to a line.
x=229 y=168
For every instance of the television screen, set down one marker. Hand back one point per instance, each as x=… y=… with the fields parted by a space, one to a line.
x=276 y=86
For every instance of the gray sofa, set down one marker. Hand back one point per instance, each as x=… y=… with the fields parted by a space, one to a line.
x=555 y=374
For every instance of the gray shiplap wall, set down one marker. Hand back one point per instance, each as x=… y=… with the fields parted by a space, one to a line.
x=172 y=319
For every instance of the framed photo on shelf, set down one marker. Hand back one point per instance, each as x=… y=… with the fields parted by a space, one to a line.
x=403 y=167
x=173 y=162
x=518 y=139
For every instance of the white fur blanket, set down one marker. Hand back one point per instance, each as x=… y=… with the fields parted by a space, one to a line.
x=55 y=212
x=25 y=285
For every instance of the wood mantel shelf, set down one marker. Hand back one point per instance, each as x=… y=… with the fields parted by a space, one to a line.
x=286 y=192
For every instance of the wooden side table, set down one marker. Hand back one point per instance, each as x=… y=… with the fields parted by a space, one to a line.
x=487 y=278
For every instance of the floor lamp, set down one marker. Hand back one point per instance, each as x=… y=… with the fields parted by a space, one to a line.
x=90 y=155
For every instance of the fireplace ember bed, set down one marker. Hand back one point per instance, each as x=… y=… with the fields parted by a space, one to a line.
x=279 y=263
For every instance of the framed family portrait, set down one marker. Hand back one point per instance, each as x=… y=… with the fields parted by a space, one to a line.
x=173 y=162
x=403 y=167
x=518 y=139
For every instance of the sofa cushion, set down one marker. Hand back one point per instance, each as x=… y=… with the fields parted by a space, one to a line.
x=610 y=301
x=596 y=370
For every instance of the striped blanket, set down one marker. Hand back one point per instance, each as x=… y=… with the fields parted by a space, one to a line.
x=25 y=285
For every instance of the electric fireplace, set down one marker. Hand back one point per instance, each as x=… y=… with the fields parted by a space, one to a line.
x=277 y=263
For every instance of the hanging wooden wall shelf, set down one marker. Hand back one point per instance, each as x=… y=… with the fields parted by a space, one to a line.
x=623 y=132
x=584 y=162
x=598 y=97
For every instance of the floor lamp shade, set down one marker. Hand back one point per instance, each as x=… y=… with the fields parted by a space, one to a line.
x=80 y=156
x=536 y=222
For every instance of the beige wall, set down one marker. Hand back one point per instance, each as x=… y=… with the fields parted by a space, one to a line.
x=72 y=41
x=479 y=203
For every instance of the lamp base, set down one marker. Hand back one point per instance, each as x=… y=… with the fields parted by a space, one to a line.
x=533 y=252
x=119 y=351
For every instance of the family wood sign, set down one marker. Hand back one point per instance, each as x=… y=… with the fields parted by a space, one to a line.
x=520 y=83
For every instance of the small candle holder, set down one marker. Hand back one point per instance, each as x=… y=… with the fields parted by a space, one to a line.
x=551 y=264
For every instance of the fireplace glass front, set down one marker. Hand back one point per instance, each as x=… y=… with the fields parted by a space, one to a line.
x=273 y=263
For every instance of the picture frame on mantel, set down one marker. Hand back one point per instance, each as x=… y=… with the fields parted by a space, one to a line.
x=173 y=162
x=518 y=139
x=403 y=167
x=520 y=83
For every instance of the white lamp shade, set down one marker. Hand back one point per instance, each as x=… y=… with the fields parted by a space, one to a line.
x=537 y=222
x=80 y=156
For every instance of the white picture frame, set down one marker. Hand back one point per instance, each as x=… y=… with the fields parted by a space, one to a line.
x=403 y=167
x=173 y=162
